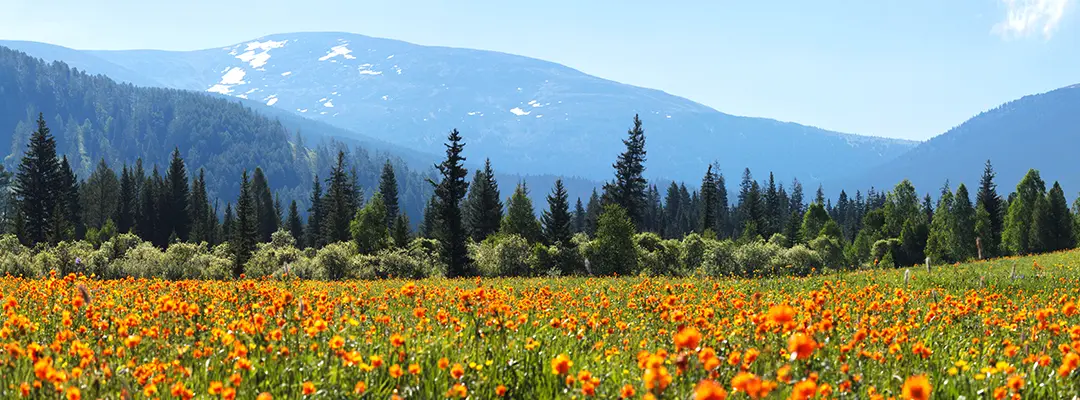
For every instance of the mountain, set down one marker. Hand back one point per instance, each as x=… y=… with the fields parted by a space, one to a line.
x=1039 y=131
x=529 y=116
x=94 y=118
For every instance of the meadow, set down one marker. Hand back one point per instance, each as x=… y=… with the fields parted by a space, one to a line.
x=1007 y=328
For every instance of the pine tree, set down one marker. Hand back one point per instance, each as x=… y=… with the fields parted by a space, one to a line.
x=369 y=229
x=36 y=185
x=939 y=245
x=177 y=216
x=751 y=209
x=483 y=209
x=228 y=223
x=266 y=218
x=772 y=208
x=388 y=188
x=628 y=189
x=708 y=199
x=199 y=212
x=521 y=216
x=69 y=226
x=989 y=200
x=1058 y=225
x=579 y=217
x=557 y=221
x=796 y=205
x=146 y=225
x=819 y=197
x=450 y=191
x=295 y=224
x=592 y=214
x=673 y=212
x=339 y=203
x=928 y=207
x=100 y=194
x=400 y=231
x=1017 y=233
x=245 y=231
x=429 y=226
x=127 y=203
x=279 y=221
x=314 y=234
x=723 y=210
x=964 y=217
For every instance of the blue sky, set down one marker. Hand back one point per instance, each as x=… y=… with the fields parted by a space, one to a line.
x=909 y=69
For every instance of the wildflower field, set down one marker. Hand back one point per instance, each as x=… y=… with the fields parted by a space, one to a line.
x=1007 y=328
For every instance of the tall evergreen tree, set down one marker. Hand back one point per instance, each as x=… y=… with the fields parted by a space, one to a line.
x=100 y=194
x=279 y=215
x=579 y=217
x=751 y=209
x=1021 y=215
x=450 y=191
x=69 y=226
x=245 y=231
x=369 y=229
x=316 y=211
x=521 y=216
x=772 y=208
x=266 y=218
x=37 y=184
x=940 y=244
x=628 y=189
x=400 y=231
x=723 y=210
x=796 y=205
x=819 y=197
x=673 y=212
x=592 y=213
x=1058 y=222
x=295 y=224
x=614 y=251
x=653 y=210
x=176 y=215
x=388 y=188
x=149 y=210
x=127 y=203
x=557 y=221
x=708 y=198
x=228 y=223
x=339 y=203
x=989 y=200
x=200 y=213
x=928 y=207
x=429 y=226
x=964 y=217
x=483 y=209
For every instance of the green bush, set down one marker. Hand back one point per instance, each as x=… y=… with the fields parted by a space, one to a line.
x=503 y=255
x=693 y=252
x=758 y=258
x=388 y=263
x=830 y=250
x=334 y=262
x=142 y=261
x=800 y=260
x=274 y=258
x=664 y=260
x=719 y=259
x=16 y=259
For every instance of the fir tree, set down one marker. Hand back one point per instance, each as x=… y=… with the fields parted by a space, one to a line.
x=1058 y=225
x=295 y=224
x=483 y=209
x=400 y=231
x=147 y=223
x=579 y=217
x=429 y=226
x=989 y=200
x=37 y=185
x=450 y=191
x=199 y=212
x=245 y=230
x=388 y=188
x=69 y=226
x=266 y=218
x=708 y=198
x=964 y=218
x=795 y=202
x=314 y=234
x=773 y=210
x=339 y=203
x=521 y=216
x=228 y=223
x=557 y=221
x=723 y=211
x=1017 y=232
x=369 y=229
x=819 y=197
x=100 y=194
x=628 y=189
x=592 y=214
x=751 y=209
x=673 y=213
x=940 y=244
x=127 y=203
x=177 y=218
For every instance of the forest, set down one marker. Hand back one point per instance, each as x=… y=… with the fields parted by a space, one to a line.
x=167 y=224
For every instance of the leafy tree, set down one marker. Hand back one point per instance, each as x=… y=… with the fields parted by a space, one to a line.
x=521 y=217
x=989 y=200
x=613 y=251
x=483 y=208
x=450 y=191
x=100 y=194
x=940 y=244
x=37 y=183
x=557 y=221
x=902 y=205
x=812 y=223
x=628 y=189
x=175 y=214
x=294 y=223
x=369 y=229
x=1017 y=234
x=245 y=231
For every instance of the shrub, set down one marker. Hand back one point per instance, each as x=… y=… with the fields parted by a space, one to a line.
x=757 y=258
x=830 y=250
x=693 y=252
x=428 y=252
x=503 y=255
x=142 y=261
x=389 y=263
x=663 y=261
x=800 y=260
x=719 y=259
x=274 y=258
x=779 y=239
x=334 y=261
x=613 y=251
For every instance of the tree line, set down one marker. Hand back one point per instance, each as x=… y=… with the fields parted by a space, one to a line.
x=625 y=227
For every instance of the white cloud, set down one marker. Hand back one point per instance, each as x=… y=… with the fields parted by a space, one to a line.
x=1027 y=17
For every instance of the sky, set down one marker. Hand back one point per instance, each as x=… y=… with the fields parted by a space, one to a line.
x=906 y=69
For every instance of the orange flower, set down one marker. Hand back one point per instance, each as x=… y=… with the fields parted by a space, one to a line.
x=687 y=338
x=360 y=387
x=916 y=388
x=1016 y=382
x=709 y=390
x=626 y=392
x=337 y=342
x=132 y=341
x=396 y=340
x=414 y=369
x=458 y=390
x=395 y=371
x=500 y=390
x=215 y=388
x=457 y=371
x=228 y=394
x=801 y=346
x=1068 y=364
x=264 y=396
x=443 y=363
x=781 y=314
x=804 y=390
x=307 y=388
x=73 y=393
x=561 y=364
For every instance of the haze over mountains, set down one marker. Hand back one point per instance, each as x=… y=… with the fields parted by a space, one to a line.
x=535 y=117
x=529 y=116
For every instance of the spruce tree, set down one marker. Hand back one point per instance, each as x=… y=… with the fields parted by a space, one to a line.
x=939 y=245
x=614 y=251
x=369 y=229
x=751 y=208
x=147 y=222
x=295 y=224
x=339 y=203
x=989 y=200
x=279 y=215
x=388 y=188
x=653 y=210
x=628 y=189
x=708 y=199
x=100 y=194
x=795 y=202
x=673 y=212
x=127 y=203
x=199 y=211
x=723 y=210
x=579 y=217
x=266 y=218
x=964 y=217
x=314 y=234
x=557 y=221
x=483 y=209
x=1059 y=222
x=592 y=214
x=1017 y=233
x=772 y=208
x=450 y=191
x=400 y=231
x=521 y=216
x=429 y=226
x=819 y=197
x=36 y=185
x=177 y=216
x=69 y=226
x=245 y=230
x=228 y=223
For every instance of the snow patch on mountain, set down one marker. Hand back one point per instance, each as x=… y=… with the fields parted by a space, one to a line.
x=329 y=104
x=286 y=73
x=258 y=59
x=339 y=50
x=519 y=112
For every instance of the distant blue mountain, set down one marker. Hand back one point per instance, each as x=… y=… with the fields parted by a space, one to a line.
x=529 y=116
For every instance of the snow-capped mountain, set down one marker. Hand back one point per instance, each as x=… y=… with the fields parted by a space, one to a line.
x=527 y=115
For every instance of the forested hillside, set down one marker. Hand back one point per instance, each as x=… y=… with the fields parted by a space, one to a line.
x=94 y=118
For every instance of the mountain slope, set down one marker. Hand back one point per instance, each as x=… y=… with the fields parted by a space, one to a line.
x=529 y=116
x=1039 y=131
